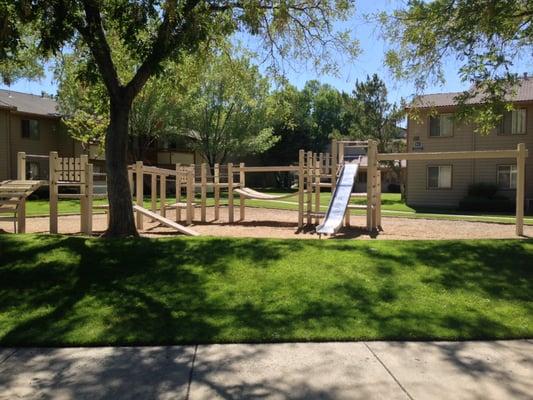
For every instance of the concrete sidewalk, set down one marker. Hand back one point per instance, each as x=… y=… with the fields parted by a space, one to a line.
x=360 y=370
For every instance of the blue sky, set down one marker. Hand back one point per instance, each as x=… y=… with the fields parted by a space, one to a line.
x=370 y=61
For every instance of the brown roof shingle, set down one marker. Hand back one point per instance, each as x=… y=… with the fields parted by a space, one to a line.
x=524 y=92
x=29 y=103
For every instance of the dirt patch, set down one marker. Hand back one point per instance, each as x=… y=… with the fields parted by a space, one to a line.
x=271 y=223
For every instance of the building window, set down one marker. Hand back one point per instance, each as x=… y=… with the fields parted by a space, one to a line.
x=441 y=125
x=33 y=170
x=513 y=122
x=507 y=176
x=30 y=129
x=439 y=177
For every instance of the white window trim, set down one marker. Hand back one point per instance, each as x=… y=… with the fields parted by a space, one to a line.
x=439 y=116
x=514 y=113
x=512 y=171
x=438 y=180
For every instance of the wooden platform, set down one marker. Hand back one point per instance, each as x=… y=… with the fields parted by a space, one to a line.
x=13 y=194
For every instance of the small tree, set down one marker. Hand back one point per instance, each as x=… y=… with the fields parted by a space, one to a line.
x=373 y=116
x=152 y=32
x=225 y=106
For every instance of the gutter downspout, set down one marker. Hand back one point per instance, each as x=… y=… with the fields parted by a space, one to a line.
x=9 y=146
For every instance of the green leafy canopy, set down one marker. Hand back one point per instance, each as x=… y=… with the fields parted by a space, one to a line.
x=484 y=36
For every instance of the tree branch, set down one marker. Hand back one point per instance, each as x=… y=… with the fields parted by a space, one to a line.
x=94 y=35
x=160 y=47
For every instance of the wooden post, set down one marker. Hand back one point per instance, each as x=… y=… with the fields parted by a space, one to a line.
x=378 y=199
x=21 y=216
x=21 y=207
x=21 y=166
x=203 y=191
x=242 y=199
x=301 y=180
x=327 y=164
x=153 y=193
x=370 y=183
x=89 y=188
x=334 y=149
x=317 y=189
x=178 y=193
x=139 y=189
x=520 y=187
x=190 y=195
x=341 y=153
x=216 y=189
x=163 y=194
x=83 y=161
x=130 y=180
x=53 y=178
x=230 y=193
x=309 y=186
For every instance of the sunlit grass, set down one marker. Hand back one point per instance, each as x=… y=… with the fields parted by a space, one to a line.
x=77 y=291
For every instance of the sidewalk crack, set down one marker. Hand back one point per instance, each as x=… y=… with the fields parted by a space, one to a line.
x=389 y=372
x=8 y=356
x=191 y=372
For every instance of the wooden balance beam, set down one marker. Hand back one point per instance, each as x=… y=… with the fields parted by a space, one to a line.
x=165 y=221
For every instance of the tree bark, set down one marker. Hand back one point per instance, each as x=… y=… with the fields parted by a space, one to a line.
x=121 y=221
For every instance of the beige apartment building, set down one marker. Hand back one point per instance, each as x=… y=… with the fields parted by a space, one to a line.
x=445 y=183
x=31 y=124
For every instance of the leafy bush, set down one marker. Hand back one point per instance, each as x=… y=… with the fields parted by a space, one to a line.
x=394 y=188
x=491 y=204
x=486 y=190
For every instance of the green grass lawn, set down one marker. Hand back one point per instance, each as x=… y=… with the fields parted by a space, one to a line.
x=59 y=291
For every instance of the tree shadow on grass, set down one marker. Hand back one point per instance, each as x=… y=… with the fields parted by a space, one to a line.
x=75 y=291
x=136 y=291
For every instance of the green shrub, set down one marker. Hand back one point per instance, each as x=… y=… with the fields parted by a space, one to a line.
x=482 y=189
x=492 y=204
x=394 y=188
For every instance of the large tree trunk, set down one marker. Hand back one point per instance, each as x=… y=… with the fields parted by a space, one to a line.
x=121 y=221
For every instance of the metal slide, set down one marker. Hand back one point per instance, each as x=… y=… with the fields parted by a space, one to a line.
x=339 y=201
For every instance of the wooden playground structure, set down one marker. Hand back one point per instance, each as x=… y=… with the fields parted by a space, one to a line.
x=191 y=185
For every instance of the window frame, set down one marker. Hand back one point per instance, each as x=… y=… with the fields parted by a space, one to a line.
x=438 y=116
x=501 y=128
x=511 y=166
x=29 y=165
x=36 y=136
x=439 y=166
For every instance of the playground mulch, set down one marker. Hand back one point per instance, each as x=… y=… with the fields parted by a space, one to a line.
x=272 y=223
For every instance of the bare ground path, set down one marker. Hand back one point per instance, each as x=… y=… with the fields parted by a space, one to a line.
x=350 y=370
x=272 y=223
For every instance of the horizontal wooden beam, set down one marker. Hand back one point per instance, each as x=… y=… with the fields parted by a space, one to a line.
x=282 y=168
x=449 y=155
x=158 y=171
x=354 y=142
